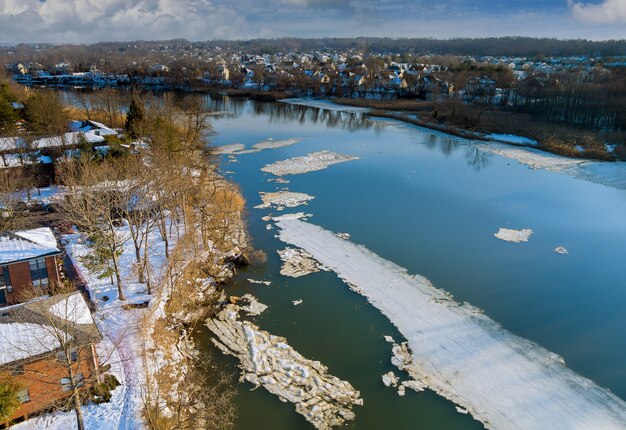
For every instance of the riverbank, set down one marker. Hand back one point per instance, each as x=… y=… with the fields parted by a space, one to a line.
x=492 y=124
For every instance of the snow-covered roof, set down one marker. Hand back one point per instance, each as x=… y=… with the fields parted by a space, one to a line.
x=67 y=139
x=42 y=325
x=93 y=127
x=27 y=244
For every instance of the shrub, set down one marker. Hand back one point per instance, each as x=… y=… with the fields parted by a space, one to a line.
x=9 y=398
x=101 y=392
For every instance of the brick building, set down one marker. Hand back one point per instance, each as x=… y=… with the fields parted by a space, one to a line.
x=39 y=342
x=28 y=259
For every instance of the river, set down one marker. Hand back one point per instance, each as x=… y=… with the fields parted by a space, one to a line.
x=430 y=203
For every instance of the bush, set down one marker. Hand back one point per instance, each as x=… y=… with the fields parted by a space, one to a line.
x=9 y=398
x=101 y=392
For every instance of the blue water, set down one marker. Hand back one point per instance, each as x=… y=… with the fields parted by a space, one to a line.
x=430 y=203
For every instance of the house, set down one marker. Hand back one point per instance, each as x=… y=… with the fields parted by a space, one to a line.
x=93 y=127
x=39 y=342
x=28 y=259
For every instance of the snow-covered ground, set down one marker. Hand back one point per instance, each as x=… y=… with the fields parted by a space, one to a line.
x=514 y=139
x=504 y=381
x=123 y=345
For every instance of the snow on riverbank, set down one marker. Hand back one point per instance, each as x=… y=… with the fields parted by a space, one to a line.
x=308 y=163
x=123 y=343
x=504 y=381
x=612 y=174
x=517 y=236
x=323 y=104
x=514 y=139
x=284 y=199
x=324 y=400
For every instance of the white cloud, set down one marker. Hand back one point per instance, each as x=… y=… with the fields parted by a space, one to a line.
x=96 y=20
x=606 y=12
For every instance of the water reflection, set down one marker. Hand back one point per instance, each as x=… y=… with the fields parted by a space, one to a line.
x=477 y=158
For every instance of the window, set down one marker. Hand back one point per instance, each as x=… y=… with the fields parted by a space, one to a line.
x=66 y=383
x=23 y=396
x=73 y=355
x=5 y=279
x=39 y=272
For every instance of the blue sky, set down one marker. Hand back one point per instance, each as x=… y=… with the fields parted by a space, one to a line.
x=100 y=20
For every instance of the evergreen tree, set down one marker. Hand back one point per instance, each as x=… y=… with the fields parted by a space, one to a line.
x=134 y=116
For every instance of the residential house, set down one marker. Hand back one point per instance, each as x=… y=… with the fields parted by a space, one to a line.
x=28 y=259
x=93 y=127
x=39 y=342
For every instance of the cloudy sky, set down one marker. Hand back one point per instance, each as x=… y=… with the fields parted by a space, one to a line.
x=87 y=21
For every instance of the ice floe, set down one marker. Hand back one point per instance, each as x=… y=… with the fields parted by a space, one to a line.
x=233 y=148
x=323 y=399
x=249 y=304
x=271 y=143
x=297 y=302
x=561 y=250
x=254 y=281
x=305 y=164
x=511 y=235
x=344 y=236
x=240 y=148
x=297 y=262
x=504 y=381
x=286 y=199
x=390 y=379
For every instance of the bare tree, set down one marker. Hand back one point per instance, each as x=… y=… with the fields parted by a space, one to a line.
x=95 y=203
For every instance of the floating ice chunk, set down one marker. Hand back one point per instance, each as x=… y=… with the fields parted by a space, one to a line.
x=561 y=250
x=297 y=262
x=517 y=236
x=390 y=379
x=461 y=410
x=344 y=236
x=324 y=400
x=462 y=355
x=251 y=305
x=297 y=302
x=229 y=149
x=283 y=199
x=254 y=281
x=308 y=163
x=389 y=339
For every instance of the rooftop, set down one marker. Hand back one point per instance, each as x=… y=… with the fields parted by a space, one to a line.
x=27 y=244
